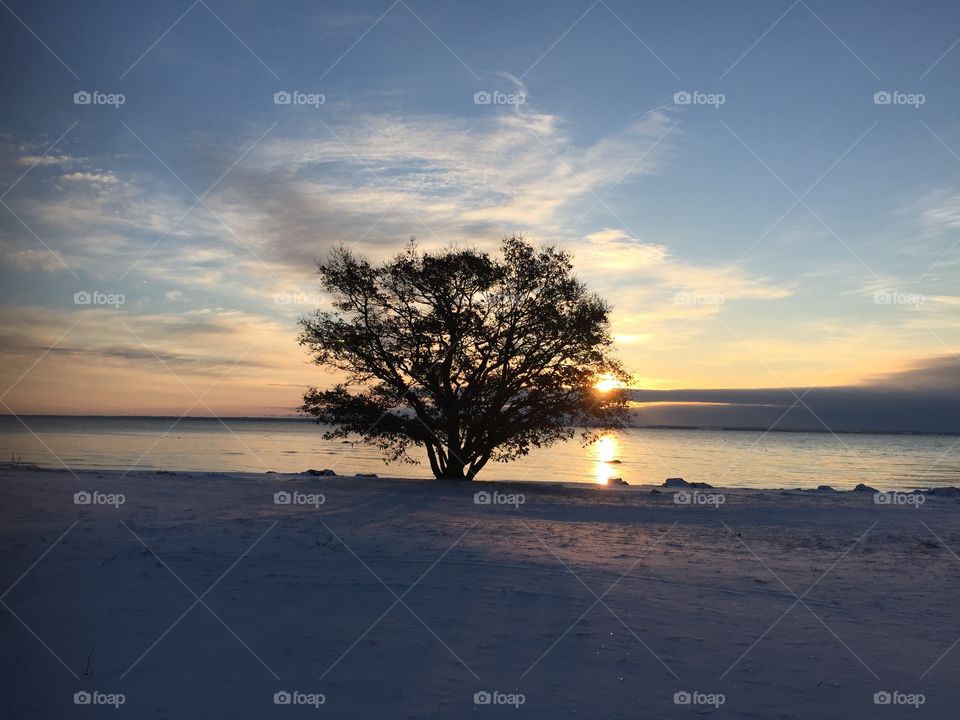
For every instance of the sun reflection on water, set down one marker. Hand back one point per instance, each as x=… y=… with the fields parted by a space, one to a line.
x=605 y=450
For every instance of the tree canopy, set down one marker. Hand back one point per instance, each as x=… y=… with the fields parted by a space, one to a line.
x=470 y=356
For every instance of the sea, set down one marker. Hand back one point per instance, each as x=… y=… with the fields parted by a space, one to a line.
x=722 y=458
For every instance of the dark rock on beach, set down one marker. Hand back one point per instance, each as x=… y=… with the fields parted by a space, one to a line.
x=326 y=472
x=680 y=482
x=864 y=488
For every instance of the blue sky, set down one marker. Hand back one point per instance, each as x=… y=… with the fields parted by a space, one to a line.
x=784 y=229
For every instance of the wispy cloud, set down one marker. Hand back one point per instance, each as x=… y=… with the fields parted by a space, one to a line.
x=46 y=160
x=377 y=179
x=89 y=177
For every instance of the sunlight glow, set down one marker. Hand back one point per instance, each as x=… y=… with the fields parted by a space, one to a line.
x=607 y=382
x=605 y=450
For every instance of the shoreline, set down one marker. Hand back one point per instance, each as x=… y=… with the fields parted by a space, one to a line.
x=824 y=489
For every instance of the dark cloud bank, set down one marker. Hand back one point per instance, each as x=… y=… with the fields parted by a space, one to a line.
x=924 y=399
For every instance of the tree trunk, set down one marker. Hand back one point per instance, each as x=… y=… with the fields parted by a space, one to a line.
x=455 y=468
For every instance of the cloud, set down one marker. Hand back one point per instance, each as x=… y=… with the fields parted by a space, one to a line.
x=654 y=291
x=46 y=160
x=940 y=374
x=921 y=398
x=943 y=213
x=368 y=180
x=101 y=225
x=109 y=360
x=81 y=177
x=629 y=260
x=379 y=179
x=371 y=181
x=26 y=259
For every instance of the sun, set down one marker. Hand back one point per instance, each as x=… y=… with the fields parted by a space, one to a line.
x=606 y=383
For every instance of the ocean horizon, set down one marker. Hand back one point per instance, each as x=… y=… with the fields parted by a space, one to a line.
x=781 y=458
x=641 y=426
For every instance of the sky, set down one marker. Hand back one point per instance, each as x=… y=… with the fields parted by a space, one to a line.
x=767 y=192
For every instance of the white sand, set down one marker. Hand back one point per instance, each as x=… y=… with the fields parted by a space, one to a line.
x=686 y=604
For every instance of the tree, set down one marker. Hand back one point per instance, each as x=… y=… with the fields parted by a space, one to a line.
x=469 y=356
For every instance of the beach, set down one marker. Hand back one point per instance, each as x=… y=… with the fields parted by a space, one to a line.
x=209 y=595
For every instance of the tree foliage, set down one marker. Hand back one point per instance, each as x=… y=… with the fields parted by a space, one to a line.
x=469 y=356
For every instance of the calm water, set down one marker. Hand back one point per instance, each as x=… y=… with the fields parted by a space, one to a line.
x=728 y=458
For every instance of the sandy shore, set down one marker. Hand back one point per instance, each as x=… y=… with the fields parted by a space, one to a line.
x=200 y=596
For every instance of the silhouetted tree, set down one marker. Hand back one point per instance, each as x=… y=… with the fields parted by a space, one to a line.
x=472 y=357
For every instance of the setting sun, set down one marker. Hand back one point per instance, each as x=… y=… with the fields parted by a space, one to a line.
x=607 y=382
